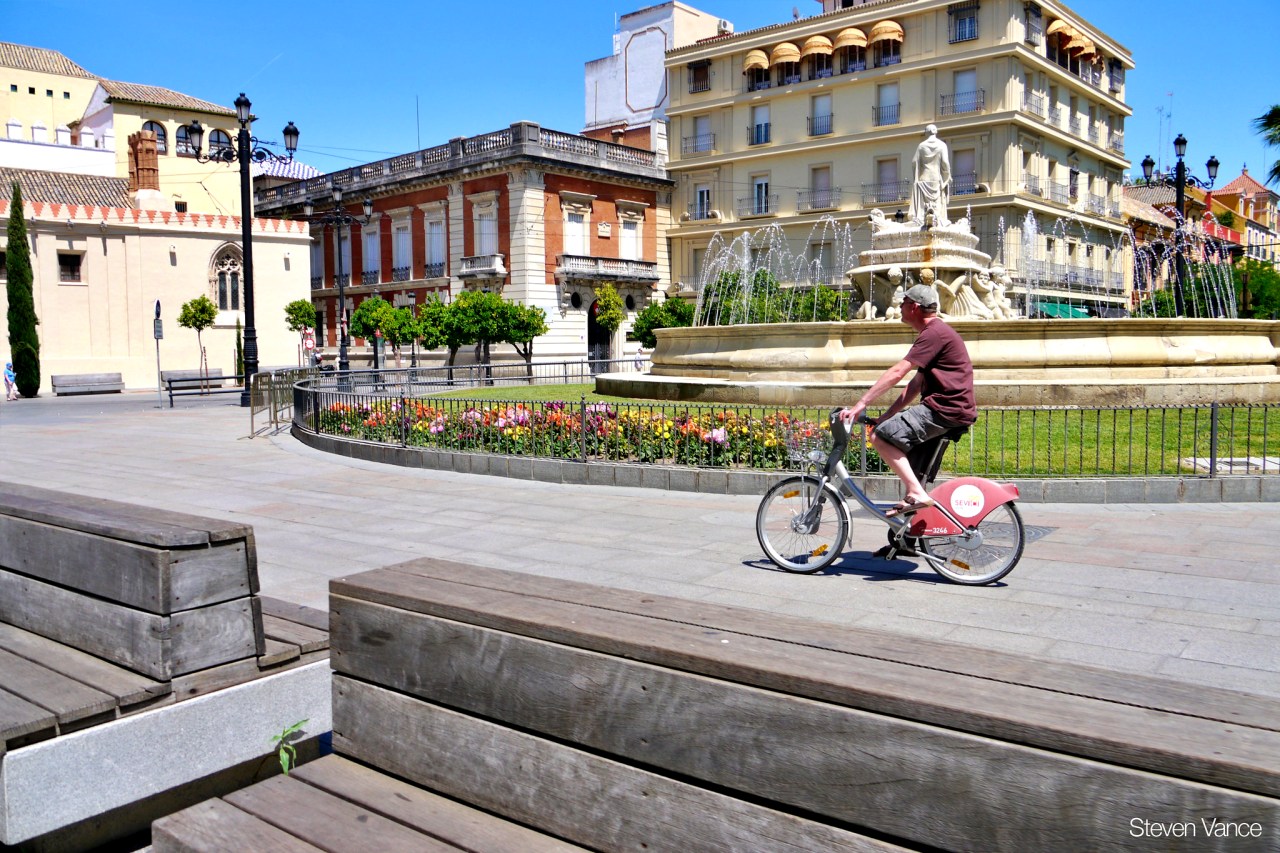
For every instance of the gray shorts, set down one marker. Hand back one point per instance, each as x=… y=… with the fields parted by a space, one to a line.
x=912 y=427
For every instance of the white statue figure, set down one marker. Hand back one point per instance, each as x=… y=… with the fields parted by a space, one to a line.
x=866 y=311
x=959 y=300
x=894 y=310
x=1002 y=281
x=881 y=224
x=932 y=188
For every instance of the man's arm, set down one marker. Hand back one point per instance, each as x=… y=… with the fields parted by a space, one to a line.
x=887 y=380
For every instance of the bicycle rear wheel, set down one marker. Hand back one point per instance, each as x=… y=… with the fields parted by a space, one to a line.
x=800 y=527
x=960 y=560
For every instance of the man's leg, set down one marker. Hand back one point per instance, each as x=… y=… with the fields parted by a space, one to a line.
x=897 y=461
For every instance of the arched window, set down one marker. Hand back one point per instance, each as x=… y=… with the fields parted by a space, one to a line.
x=218 y=141
x=183 y=142
x=226 y=280
x=162 y=139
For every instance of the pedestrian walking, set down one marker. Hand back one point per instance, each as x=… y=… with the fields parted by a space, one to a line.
x=10 y=382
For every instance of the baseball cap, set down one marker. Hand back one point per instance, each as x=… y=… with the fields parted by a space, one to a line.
x=922 y=295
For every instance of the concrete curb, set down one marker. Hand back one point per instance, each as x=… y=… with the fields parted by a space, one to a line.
x=1233 y=489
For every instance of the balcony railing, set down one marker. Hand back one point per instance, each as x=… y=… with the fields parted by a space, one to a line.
x=759 y=134
x=370 y=276
x=317 y=282
x=344 y=280
x=700 y=84
x=819 y=125
x=1096 y=204
x=401 y=273
x=1059 y=192
x=816 y=273
x=1091 y=74
x=605 y=269
x=1077 y=126
x=818 y=199
x=699 y=144
x=1055 y=115
x=964 y=183
x=886 y=114
x=1116 y=142
x=435 y=270
x=1113 y=209
x=961 y=103
x=482 y=266
x=1095 y=136
x=1032 y=183
x=701 y=210
x=758 y=205
x=1033 y=102
x=885 y=192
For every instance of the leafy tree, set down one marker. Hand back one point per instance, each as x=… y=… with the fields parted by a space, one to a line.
x=371 y=316
x=669 y=314
x=477 y=318
x=524 y=323
x=1268 y=127
x=24 y=343
x=1257 y=289
x=1225 y=218
x=300 y=315
x=610 y=309
x=198 y=314
x=819 y=304
x=730 y=299
x=399 y=327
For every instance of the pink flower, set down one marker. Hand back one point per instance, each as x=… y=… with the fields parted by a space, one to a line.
x=719 y=436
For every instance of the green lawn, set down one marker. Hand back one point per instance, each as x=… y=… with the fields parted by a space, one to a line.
x=538 y=394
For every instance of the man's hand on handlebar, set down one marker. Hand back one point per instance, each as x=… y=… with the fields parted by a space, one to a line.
x=857 y=413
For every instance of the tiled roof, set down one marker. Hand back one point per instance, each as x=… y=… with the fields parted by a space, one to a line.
x=138 y=93
x=1153 y=194
x=1132 y=208
x=1245 y=183
x=65 y=188
x=39 y=59
x=293 y=170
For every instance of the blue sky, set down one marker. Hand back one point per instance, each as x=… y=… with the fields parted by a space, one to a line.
x=365 y=81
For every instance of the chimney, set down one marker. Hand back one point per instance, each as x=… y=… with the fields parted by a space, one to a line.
x=618 y=133
x=144 y=161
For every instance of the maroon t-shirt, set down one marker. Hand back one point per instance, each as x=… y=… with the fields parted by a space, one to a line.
x=940 y=354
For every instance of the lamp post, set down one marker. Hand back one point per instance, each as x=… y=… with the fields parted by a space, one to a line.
x=339 y=218
x=1179 y=182
x=247 y=148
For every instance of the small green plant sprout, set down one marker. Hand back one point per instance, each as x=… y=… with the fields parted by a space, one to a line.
x=284 y=749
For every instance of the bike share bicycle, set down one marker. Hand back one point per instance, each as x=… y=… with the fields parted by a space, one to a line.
x=972 y=534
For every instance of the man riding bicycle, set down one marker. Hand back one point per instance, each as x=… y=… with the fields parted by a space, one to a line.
x=943 y=381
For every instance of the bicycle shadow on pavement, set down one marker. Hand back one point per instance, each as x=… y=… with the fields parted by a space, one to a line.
x=866 y=565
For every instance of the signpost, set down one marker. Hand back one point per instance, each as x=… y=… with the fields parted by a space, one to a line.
x=158 y=331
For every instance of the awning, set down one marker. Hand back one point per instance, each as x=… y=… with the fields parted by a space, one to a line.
x=816 y=46
x=885 y=31
x=755 y=59
x=1081 y=44
x=851 y=37
x=785 y=52
x=1060 y=26
x=1059 y=310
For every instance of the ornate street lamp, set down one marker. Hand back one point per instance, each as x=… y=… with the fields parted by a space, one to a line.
x=339 y=218
x=246 y=149
x=1179 y=183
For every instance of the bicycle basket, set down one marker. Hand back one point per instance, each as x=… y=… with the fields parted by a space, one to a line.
x=802 y=439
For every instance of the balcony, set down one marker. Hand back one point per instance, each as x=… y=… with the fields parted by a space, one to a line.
x=759 y=134
x=700 y=210
x=1031 y=184
x=1033 y=102
x=1055 y=116
x=317 y=282
x=1096 y=204
x=699 y=144
x=758 y=205
x=1116 y=142
x=819 y=125
x=1059 y=192
x=344 y=280
x=964 y=183
x=401 y=273
x=885 y=192
x=886 y=115
x=586 y=268
x=435 y=269
x=1077 y=126
x=828 y=199
x=370 y=276
x=1091 y=74
x=1095 y=136
x=962 y=103
x=483 y=266
x=700 y=83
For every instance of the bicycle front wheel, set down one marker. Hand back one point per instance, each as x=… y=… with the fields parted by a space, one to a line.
x=800 y=527
x=976 y=563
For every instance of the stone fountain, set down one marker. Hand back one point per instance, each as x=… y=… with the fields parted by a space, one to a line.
x=1017 y=361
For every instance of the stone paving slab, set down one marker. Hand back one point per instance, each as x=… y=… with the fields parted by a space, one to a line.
x=1188 y=591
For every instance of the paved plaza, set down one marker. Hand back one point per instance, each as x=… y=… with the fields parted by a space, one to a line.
x=1185 y=591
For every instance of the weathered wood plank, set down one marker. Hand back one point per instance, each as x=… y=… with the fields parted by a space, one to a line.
x=121 y=635
x=924 y=783
x=320 y=818
x=209 y=575
x=1065 y=678
x=19 y=719
x=306 y=638
x=277 y=653
x=215 y=826
x=66 y=698
x=1188 y=747
x=585 y=798
x=129 y=688
x=299 y=613
x=217 y=634
x=446 y=819
x=205 y=681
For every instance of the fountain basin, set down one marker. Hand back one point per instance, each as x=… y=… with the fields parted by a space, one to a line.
x=1093 y=362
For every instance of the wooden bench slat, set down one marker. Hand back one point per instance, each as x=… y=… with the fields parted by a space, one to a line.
x=299 y=613
x=306 y=638
x=320 y=818
x=128 y=688
x=589 y=799
x=215 y=826
x=278 y=652
x=1188 y=747
x=66 y=698
x=19 y=719
x=429 y=813
x=1065 y=678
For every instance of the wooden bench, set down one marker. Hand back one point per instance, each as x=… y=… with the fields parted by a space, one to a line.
x=182 y=380
x=114 y=613
x=65 y=384
x=620 y=720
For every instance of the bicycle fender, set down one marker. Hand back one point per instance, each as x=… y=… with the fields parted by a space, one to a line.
x=969 y=499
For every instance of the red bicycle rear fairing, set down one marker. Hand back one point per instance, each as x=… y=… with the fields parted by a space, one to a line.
x=969 y=499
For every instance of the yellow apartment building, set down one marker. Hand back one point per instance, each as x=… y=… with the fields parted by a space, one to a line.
x=812 y=123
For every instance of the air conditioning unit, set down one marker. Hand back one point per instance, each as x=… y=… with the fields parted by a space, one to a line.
x=724 y=27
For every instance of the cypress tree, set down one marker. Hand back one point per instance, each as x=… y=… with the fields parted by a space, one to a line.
x=24 y=344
